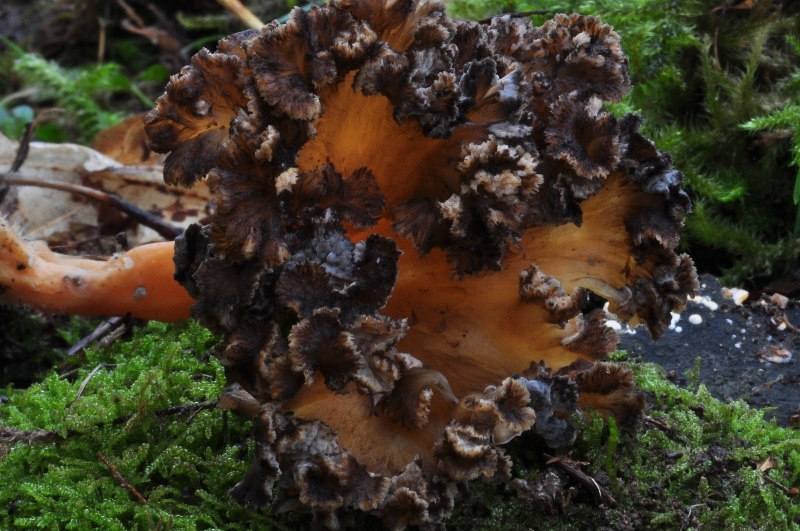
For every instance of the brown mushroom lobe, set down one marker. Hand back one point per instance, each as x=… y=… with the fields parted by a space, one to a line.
x=409 y=211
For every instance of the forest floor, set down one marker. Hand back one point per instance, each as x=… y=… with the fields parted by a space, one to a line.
x=725 y=350
x=681 y=467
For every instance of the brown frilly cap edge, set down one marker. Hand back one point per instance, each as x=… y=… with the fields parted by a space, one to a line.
x=409 y=214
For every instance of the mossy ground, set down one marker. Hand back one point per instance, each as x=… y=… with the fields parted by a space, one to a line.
x=182 y=462
x=701 y=74
x=697 y=470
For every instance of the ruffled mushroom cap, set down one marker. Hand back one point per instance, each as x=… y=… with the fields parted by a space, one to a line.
x=410 y=210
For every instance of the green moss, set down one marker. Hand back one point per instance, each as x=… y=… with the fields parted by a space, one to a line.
x=183 y=464
x=697 y=470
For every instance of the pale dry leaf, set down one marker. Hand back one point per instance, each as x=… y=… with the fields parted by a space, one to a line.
x=60 y=218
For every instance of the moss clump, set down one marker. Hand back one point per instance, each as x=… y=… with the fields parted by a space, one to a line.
x=695 y=466
x=181 y=460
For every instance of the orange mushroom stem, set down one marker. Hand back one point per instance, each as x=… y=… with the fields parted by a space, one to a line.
x=138 y=282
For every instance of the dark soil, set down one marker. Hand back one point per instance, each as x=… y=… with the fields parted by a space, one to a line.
x=724 y=347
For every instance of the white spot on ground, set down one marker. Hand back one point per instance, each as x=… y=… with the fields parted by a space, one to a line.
x=695 y=319
x=612 y=321
x=675 y=318
x=705 y=301
x=775 y=354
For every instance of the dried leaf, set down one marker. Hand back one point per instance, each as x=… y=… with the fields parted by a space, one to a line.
x=62 y=219
x=767 y=464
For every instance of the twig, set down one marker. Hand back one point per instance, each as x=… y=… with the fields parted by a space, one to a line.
x=104 y=328
x=790 y=326
x=115 y=334
x=122 y=481
x=102 y=22
x=131 y=13
x=244 y=14
x=14 y=436
x=167 y=230
x=18 y=95
x=658 y=424
x=191 y=417
x=27 y=136
x=759 y=389
x=22 y=149
x=786 y=490
x=175 y=410
x=601 y=495
x=84 y=384
x=689 y=514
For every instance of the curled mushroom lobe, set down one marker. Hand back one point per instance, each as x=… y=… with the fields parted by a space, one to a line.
x=410 y=213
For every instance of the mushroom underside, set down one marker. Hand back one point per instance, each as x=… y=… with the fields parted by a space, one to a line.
x=410 y=212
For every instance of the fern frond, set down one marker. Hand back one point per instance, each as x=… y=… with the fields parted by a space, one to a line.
x=76 y=90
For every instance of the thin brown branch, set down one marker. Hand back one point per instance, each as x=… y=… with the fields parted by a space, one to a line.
x=192 y=409
x=167 y=230
x=101 y=39
x=102 y=330
x=759 y=389
x=790 y=326
x=22 y=149
x=601 y=495
x=85 y=382
x=115 y=334
x=793 y=491
x=122 y=481
x=658 y=424
x=129 y=11
x=14 y=436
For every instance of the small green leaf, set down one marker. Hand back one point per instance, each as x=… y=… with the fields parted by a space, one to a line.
x=156 y=73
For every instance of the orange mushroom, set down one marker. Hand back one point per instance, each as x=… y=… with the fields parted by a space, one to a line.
x=138 y=282
x=410 y=212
